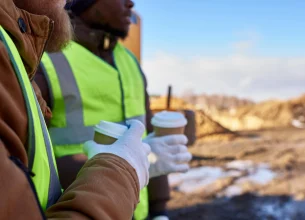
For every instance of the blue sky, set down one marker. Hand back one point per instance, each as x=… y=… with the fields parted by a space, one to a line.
x=199 y=29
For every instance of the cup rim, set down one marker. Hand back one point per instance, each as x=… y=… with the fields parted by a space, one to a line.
x=105 y=127
x=169 y=119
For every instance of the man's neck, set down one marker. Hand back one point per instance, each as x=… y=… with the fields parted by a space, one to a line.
x=97 y=41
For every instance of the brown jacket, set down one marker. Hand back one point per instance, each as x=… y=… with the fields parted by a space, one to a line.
x=86 y=198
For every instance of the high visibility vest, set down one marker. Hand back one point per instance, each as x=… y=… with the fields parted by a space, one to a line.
x=84 y=90
x=40 y=153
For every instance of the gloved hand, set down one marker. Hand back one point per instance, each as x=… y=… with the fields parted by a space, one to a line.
x=129 y=147
x=168 y=154
x=161 y=217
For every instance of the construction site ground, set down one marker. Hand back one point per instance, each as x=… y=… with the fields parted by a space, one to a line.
x=258 y=175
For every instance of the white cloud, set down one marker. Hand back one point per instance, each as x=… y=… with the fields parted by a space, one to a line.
x=243 y=45
x=239 y=73
x=247 y=41
x=243 y=75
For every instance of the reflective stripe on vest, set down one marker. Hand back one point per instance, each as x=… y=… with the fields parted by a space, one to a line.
x=85 y=89
x=40 y=154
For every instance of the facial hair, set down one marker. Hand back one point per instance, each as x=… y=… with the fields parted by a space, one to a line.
x=113 y=31
x=62 y=30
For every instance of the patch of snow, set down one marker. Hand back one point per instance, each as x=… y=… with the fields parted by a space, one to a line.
x=233 y=191
x=297 y=123
x=196 y=178
x=260 y=176
x=195 y=186
x=234 y=173
x=240 y=165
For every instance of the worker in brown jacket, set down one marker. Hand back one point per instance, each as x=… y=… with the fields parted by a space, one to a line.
x=27 y=191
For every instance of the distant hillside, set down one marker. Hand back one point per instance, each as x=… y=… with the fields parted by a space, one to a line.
x=220 y=102
x=268 y=114
x=223 y=114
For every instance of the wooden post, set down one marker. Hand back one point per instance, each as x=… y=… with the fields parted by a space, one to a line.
x=169 y=97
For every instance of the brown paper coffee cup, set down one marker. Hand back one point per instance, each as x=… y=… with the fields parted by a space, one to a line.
x=168 y=131
x=168 y=123
x=103 y=139
x=108 y=132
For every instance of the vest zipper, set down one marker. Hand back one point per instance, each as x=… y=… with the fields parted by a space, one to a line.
x=28 y=175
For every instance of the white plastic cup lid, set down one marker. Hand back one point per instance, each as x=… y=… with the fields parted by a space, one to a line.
x=167 y=119
x=111 y=129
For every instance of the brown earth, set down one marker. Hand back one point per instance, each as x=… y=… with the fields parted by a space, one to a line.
x=259 y=133
x=281 y=199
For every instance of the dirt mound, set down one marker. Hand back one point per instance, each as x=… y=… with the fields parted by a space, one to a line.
x=269 y=114
x=209 y=129
x=176 y=103
x=206 y=127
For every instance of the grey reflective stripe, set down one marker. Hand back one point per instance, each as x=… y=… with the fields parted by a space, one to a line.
x=73 y=135
x=69 y=89
x=75 y=132
x=54 y=186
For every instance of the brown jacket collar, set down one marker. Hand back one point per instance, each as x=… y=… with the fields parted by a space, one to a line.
x=30 y=44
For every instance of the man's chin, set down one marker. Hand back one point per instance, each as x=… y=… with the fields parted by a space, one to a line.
x=119 y=33
x=122 y=34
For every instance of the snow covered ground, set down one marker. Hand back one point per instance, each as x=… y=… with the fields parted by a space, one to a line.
x=241 y=173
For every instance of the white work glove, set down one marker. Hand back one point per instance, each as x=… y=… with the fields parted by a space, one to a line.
x=161 y=217
x=168 y=154
x=129 y=147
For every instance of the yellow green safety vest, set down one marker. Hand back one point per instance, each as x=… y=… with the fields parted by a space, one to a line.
x=40 y=153
x=84 y=90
